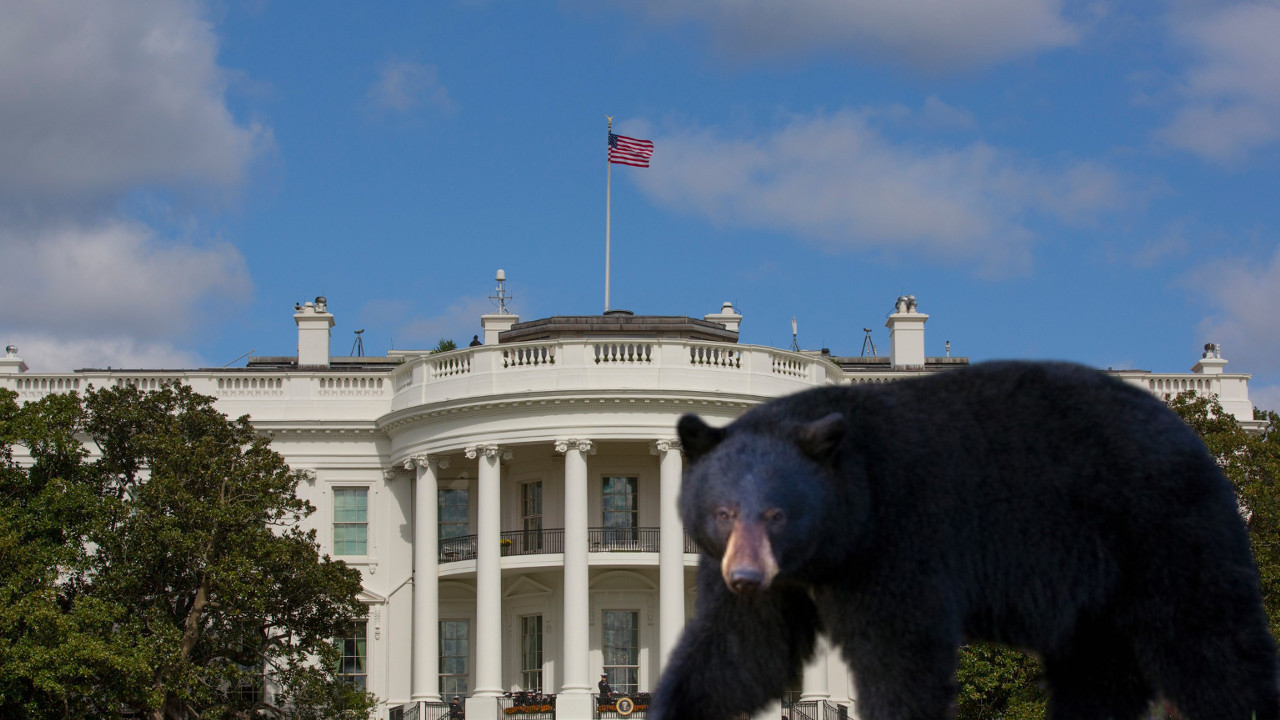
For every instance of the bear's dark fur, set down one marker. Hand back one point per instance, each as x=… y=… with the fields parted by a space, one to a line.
x=1044 y=506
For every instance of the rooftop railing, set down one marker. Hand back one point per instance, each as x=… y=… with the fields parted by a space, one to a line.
x=589 y=364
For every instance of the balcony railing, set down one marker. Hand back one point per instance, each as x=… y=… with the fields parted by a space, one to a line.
x=459 y=548
x=636 y=539
x=550 y=542
x=527 y=706
x=607 y=708
x=427 y=711
x=532 y=542
x=814 y=710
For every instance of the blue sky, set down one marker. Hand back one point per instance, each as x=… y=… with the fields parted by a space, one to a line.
x=1093 y=181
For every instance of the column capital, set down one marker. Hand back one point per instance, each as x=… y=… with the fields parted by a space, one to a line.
x=309 y=474
x=474 y=451
x=583 y=446
x=424 y=460
x=657 y=447
x=390 y=473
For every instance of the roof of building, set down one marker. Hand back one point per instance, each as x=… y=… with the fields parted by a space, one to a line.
x=618 y=323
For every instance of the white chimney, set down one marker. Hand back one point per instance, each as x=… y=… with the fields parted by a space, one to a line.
x=314 y=323
x=11 y=364
x=1211 y=362
x=728 y=317
x=906 y=334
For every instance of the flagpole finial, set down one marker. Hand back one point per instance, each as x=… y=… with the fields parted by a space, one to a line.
x=610 y=118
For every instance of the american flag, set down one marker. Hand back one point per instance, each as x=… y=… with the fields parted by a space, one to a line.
x=629 y=151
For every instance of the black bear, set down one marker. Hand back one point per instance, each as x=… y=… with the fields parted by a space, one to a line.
x=1044 y=506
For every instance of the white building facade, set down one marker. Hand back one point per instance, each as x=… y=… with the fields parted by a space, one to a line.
x=512 y=505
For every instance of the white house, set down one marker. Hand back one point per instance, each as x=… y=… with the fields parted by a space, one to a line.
x=512 y=505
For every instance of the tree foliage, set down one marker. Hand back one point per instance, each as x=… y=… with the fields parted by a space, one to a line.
x=443 y=346
x=153 y=563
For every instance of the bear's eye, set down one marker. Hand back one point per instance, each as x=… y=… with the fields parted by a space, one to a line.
x=775 y=517
x=724 y=514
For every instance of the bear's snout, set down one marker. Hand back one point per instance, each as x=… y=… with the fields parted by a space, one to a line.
x=748 y=565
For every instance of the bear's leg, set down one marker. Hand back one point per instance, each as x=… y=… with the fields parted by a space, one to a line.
x=903 y=676
x=737 y=653
x=1098 y=677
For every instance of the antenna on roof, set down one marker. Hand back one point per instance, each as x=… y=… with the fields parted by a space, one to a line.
x=229 y=364
x=502 y=297
x=357 y=348
x=866 y=340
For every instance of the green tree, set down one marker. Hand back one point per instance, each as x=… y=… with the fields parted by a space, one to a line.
x=165 y=573
x=443 y=346
x=1251 y=461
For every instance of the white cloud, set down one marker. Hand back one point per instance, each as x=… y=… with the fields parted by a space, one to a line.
x=402 y=86
x=102 y=97
x=101 y=101
x=47 y=354
x=1231 y=96
x=935 y=35
x=1242 y=295
x=836 y=181
x=117 y=275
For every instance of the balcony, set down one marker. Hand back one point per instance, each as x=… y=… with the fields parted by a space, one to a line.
x=551 y=542
x=527 y=706
x=606 y=708
x=587 y=365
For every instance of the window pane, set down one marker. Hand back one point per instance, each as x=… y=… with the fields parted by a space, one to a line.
x=353 y=667
x=619 y=502
x=350 y=521
x=453 y=513
x=453 y=658
x=621 y=645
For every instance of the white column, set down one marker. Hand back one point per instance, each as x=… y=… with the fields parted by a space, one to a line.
x=815 y=673
x=574 y=700
x=426 y=585
x=488 y=672
x=671 y=548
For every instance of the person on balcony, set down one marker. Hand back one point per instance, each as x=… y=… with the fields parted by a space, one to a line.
x=606 y=692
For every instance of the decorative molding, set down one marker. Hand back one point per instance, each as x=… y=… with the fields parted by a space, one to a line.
x=422 y=460
x=390 y=473
x=586 y=447
x=658 y=447
x=376 y=616
x=489 y=450
x=309 y=474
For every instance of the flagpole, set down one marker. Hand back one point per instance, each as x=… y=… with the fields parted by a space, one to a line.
x=608 y=201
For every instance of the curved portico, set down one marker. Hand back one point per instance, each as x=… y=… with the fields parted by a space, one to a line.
x=577 y=417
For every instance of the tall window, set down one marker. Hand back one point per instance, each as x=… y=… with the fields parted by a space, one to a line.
x=620 y=511
x=454 y=647
x=453 y=514
x=350 y=521
x=621 y=643
x=531 y=516
x=353 y=667
x=531 y=653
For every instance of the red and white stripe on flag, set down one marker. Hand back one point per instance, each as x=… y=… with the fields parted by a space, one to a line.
x=629 y=151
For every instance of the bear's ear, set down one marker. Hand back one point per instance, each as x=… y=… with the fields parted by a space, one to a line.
x=820 y=438
x=696 y=437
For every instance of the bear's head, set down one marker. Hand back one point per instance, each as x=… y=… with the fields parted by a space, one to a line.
x=758 y=498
